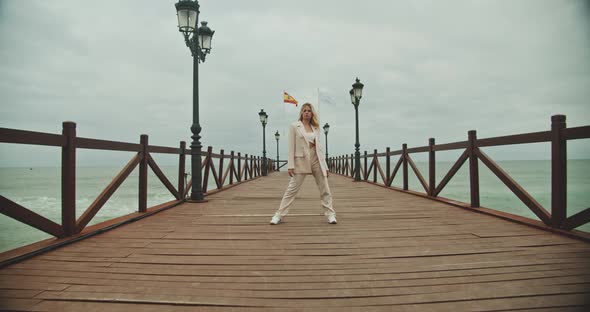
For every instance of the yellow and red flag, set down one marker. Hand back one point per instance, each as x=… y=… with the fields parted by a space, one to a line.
x=289 y=99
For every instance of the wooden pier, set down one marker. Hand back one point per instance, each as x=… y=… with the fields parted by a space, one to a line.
x=390 y=251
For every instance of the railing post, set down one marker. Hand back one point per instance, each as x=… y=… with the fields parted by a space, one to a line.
x=365 y=172
x=181 y=169
x=352 y=168
x=239 y=175
x=68 y=179
x=255 y=160
x=220 y=170
x=405 y=165
x=473 y=169
x=143 y=176
x=431 y=167
x=334 y=165
x=233 y=164
x=387 y=165
x=246 y=164
x=375 y=166
x=207 y=168
x=558 y=171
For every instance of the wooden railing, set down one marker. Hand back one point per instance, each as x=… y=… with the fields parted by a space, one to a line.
x=278 y=164
x=558 y=136
x=239 y=169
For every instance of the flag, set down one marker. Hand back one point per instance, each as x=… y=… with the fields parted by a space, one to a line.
x=289 y=99
x=325 y=98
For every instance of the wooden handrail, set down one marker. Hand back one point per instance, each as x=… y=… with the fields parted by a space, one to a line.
x=418 y=174
x=578 y=219
x=558 y=136
x=420 y=149
x=460 y=161
x=535 y=137
x=450 y=146
x=576 y=133
x=525 y=197
x=156 y=169
x=24 y=215
x=395 y=169
x=107 y=193
x=163 y=150
x=30 y=137
x=69 y=143
x=107 y=145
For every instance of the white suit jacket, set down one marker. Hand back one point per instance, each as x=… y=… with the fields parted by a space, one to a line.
x=300 y=152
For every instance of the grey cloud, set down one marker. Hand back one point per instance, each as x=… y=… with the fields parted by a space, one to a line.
x=430 y=68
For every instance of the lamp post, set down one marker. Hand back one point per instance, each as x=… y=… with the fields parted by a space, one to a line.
x=355 y=96
x=199 y=43
x=263 y=118
x=326 y=129
x=277 y=136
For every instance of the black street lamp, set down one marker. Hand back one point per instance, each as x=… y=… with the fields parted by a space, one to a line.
x=355 y=97
x=326 y=129
x=199 y=42
x=277 y=136
x=263 y=118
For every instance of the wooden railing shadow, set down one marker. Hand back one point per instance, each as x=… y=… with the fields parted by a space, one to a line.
x=472 y=152
x=240 y=169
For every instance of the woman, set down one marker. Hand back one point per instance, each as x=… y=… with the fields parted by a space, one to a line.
x=305 y=157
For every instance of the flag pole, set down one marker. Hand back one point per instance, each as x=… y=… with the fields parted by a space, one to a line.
x=318 y=101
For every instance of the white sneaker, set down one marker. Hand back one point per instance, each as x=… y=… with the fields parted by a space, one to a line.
x=276 y=219
x=332 y=219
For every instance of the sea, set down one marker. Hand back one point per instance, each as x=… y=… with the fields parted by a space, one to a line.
x=39 y=189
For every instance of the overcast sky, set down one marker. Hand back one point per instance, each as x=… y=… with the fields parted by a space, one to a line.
x=430 y=68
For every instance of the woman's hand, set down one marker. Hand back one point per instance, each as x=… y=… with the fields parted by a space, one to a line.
x=291 y=172
x=327 y=173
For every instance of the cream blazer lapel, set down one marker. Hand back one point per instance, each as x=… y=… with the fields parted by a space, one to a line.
x=301 y=128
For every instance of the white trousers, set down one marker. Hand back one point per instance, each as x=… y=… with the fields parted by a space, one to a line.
x=295 y=183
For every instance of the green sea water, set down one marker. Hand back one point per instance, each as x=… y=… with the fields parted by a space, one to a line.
x=39 y=189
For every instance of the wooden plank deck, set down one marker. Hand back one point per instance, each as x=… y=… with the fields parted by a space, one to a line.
x=390 y=251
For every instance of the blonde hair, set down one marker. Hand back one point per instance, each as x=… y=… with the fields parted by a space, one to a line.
x=314 y=119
